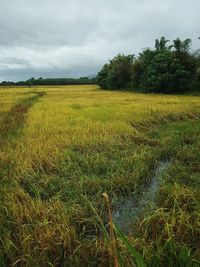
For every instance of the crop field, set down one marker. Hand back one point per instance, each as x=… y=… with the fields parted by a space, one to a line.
x=63 y=147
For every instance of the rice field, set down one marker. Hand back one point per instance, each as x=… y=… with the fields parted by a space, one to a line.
x=62 y=147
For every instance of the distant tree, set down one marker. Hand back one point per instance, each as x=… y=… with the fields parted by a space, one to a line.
x=146 y=56
x=117 y=73
x=197 y=57
x=31 y=81
x=137 y=71
x=167 y=69
x=165 y=74
x=160 y=45
x=54 y=81
x=177 y=45
x=5 y=83
x=182 y=46
x=102 y=77
x=188 y=61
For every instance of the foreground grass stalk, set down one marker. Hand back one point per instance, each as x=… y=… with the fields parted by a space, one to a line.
x=116 y=232
x=112 y=234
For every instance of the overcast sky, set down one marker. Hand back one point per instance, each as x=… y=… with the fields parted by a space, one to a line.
x=72 y=38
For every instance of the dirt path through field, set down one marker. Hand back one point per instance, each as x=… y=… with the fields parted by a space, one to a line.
x=14 y=119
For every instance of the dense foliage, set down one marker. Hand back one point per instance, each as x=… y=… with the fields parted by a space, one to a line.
x=52 y=81
x=165 y=69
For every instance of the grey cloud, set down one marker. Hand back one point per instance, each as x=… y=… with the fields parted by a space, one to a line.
x=75 y=37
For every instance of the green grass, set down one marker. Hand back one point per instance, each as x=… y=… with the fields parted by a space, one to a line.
x=63 y=150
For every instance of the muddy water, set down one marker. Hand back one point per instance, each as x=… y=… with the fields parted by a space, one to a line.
x=125 y=211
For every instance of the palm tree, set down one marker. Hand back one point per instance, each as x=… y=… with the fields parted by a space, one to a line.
x=187 y=45
x=160 y=45
x=163 y=43
x=177 y=45
x=157 y=44
x=182 y=46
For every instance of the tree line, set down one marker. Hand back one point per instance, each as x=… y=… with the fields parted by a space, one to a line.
x=51 y=81
x=168 y=68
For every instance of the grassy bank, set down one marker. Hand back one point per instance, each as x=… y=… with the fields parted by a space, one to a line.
x=77 y=142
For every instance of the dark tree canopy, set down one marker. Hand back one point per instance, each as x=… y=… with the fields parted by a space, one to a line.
x=165 y=74
x=116 y=74
x=52 y=81
x=165 y=69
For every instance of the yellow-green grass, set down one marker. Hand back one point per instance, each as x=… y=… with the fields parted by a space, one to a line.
x=77 y=142
x=9 y=98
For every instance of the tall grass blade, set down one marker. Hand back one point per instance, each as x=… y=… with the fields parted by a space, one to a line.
x=137 y=257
